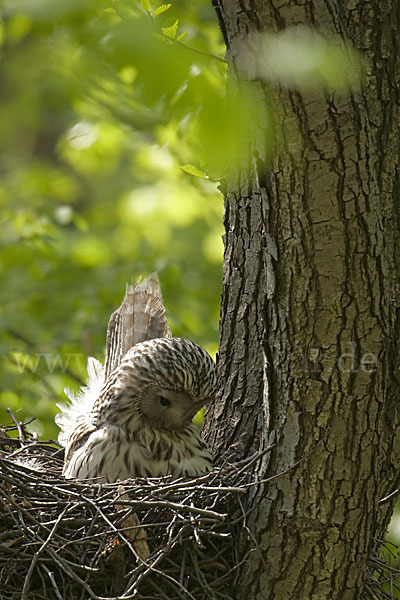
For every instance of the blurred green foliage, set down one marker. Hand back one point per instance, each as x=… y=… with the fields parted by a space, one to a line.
x=100 y=108
x=114 y=128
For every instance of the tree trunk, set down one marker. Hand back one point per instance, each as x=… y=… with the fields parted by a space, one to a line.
x=310 y=316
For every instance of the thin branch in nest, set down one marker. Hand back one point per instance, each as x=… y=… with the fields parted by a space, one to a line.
x=37 y=554
x=22 y=434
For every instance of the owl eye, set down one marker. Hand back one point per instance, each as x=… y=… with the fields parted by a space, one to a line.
x=164 y=401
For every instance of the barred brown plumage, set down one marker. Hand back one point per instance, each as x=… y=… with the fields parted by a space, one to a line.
x=134 y=419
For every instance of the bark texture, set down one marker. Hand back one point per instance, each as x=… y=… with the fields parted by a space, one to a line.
x=310 y=316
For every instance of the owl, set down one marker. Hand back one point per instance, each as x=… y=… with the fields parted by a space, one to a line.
x=134 y=417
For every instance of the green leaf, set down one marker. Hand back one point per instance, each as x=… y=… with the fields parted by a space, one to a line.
x=302 y=58
x=146 y=5
x=170 y=31
x=192 y=170
x=161 y=9
x=181 y=37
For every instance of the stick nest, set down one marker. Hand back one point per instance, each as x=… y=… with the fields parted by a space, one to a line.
x=148 y=538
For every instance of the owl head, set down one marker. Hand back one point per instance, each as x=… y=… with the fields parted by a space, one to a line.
x=161 y=382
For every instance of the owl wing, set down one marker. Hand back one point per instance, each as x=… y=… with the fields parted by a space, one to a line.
x=81 y=432
x=140 y=317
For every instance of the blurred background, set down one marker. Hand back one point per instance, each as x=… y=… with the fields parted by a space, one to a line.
x=101 y=104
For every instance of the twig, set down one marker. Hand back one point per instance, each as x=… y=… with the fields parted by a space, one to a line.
x=196 y=50
x=37 y=554
x=21 y=435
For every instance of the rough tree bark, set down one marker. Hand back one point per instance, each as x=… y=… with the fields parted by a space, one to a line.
x=309 y=346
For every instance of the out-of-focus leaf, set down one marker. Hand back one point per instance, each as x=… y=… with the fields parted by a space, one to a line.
x=128 y=74
x=181 y=36
x=228 y=127
x=301 y=57
x=2 y=35
x=18 y=26
x=161 y=9
x=160 y=67
x=146 y=5
x=170 y=30
x=50 y=11
x=192 y=170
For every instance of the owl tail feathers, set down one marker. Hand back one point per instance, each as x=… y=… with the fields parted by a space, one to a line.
x=149 y=320
x=80 y=404
x=140 y=317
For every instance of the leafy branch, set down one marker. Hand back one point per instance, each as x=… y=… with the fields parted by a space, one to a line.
x=168 y=32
